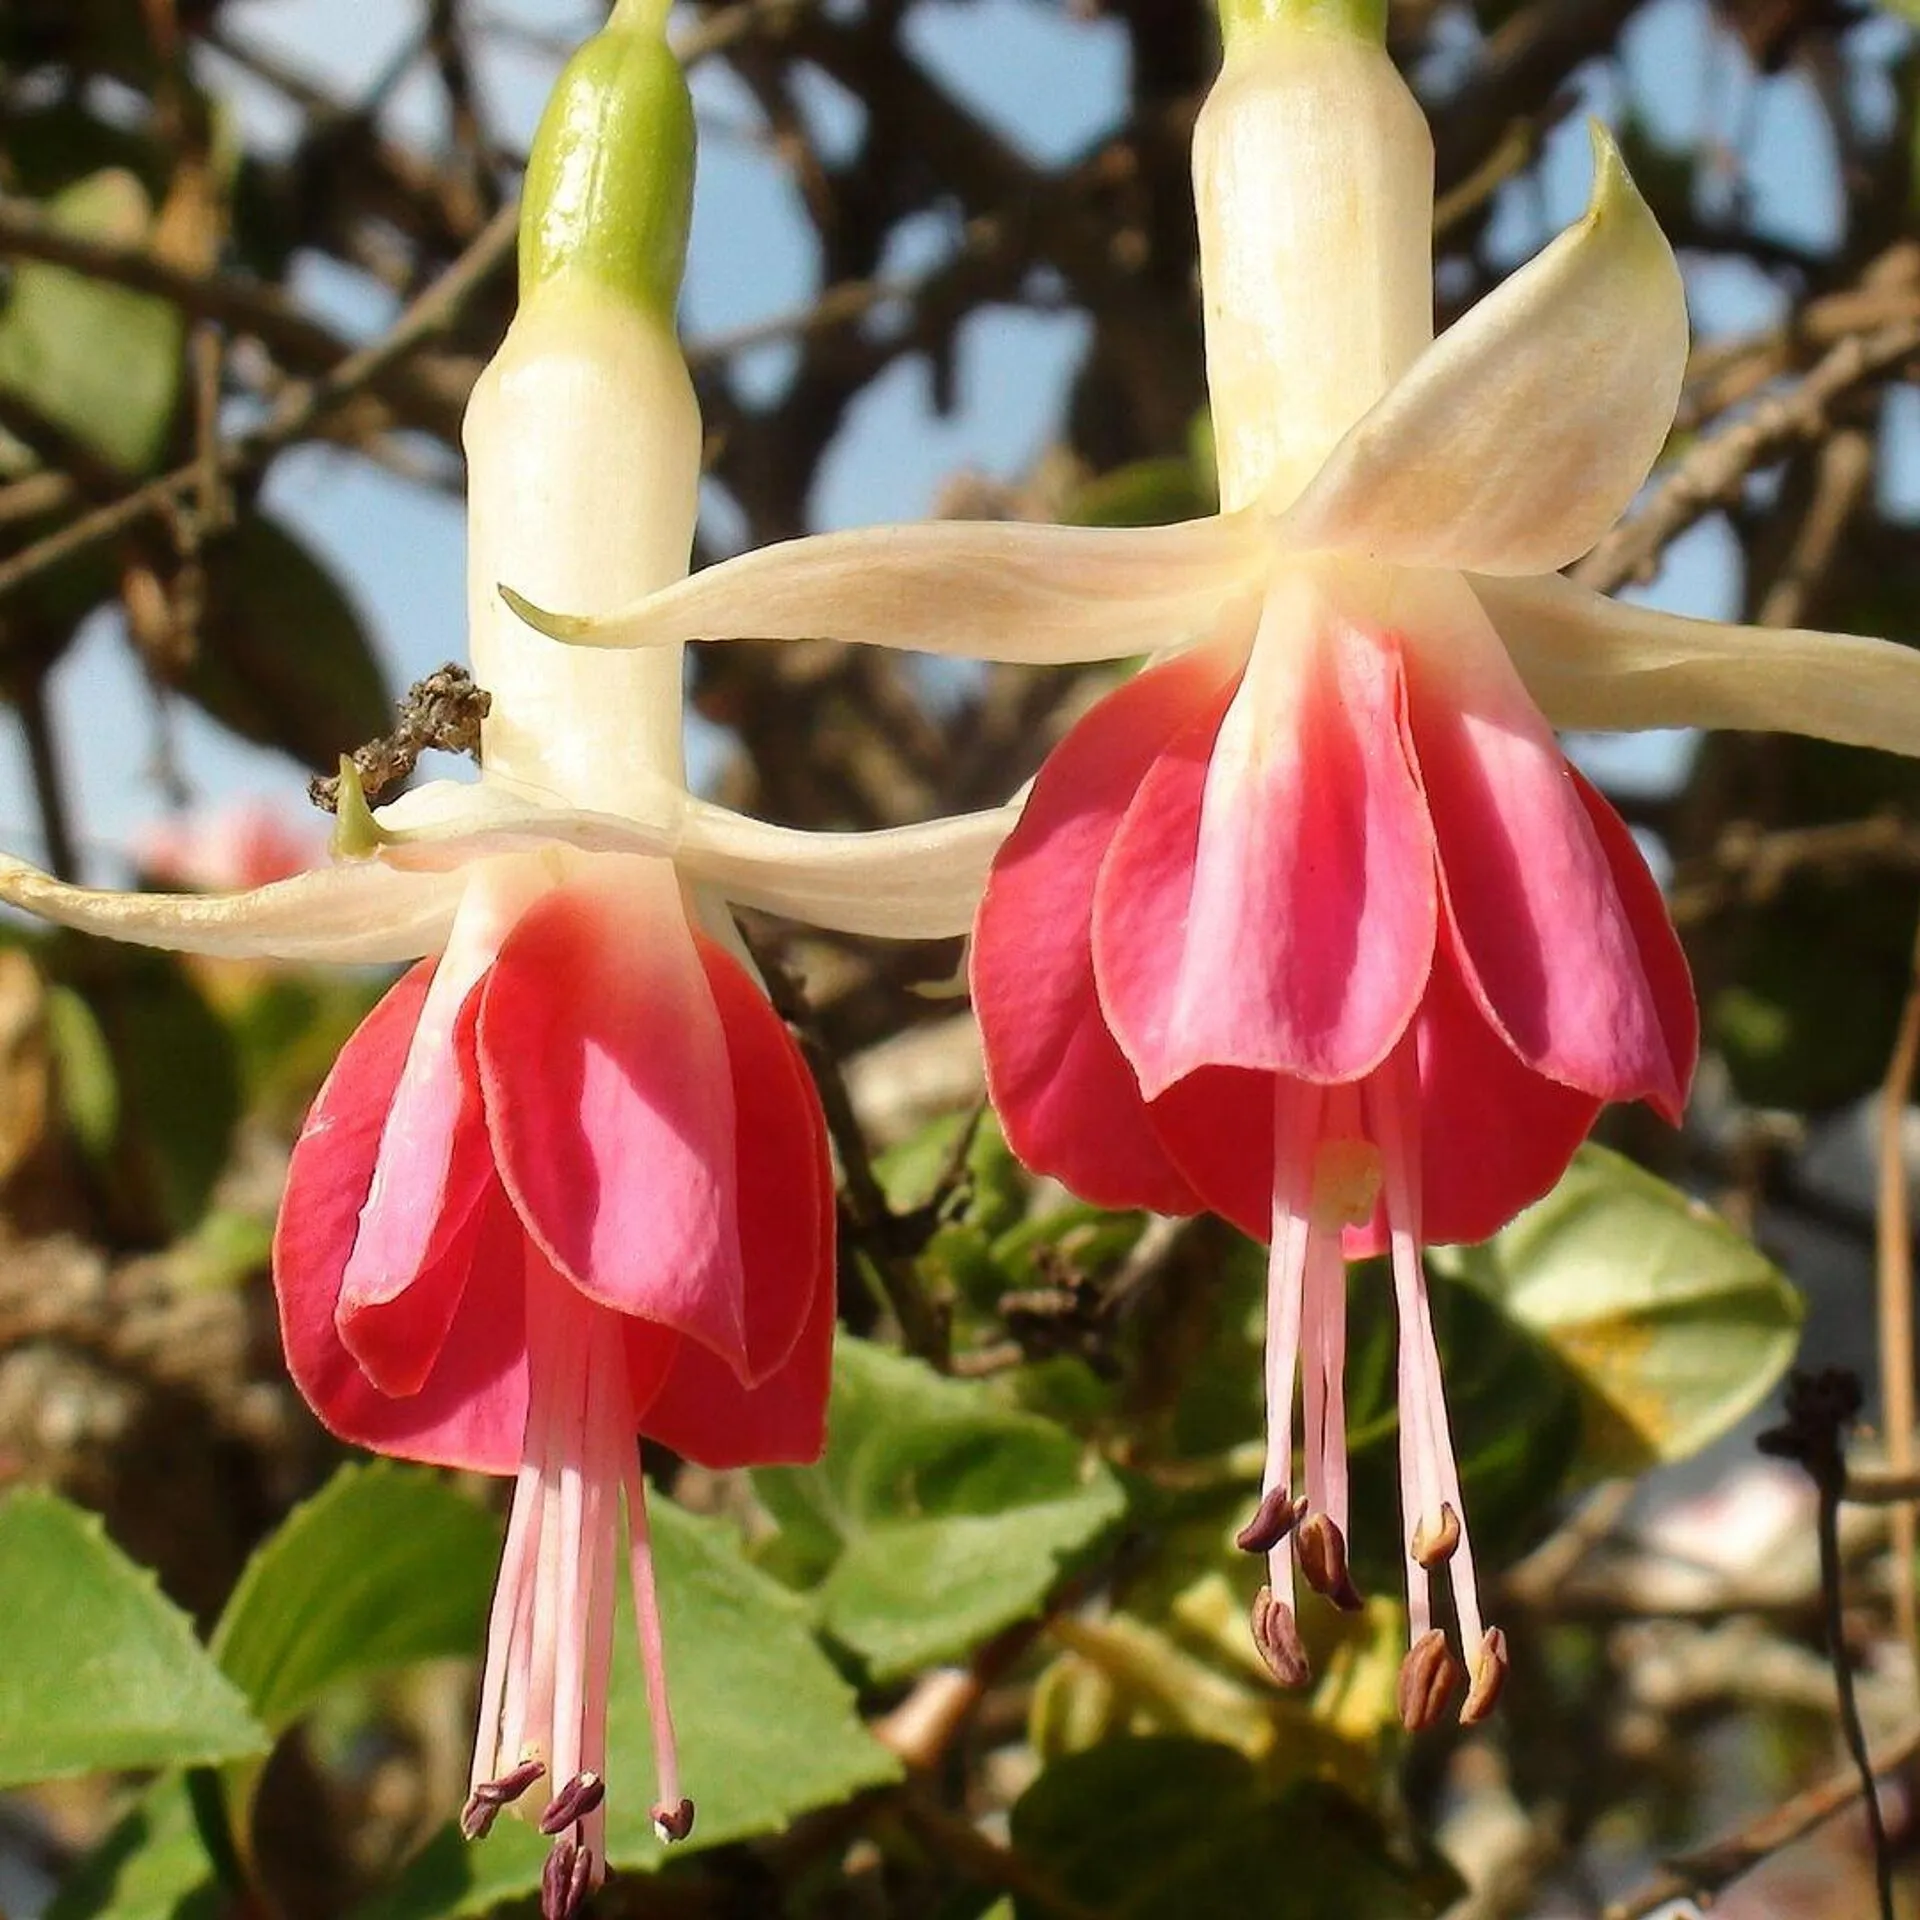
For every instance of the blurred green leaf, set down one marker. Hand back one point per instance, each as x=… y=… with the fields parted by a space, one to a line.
x=936 y=1517
x=384 y=1566
x=96 y=360
x=767 y=1730
x=152 y=1866
x=1672 y=1324
x=100 y=1669
x=284 y=656
x=1154 y=1828
x=149 y=1081
x=1788 y=1037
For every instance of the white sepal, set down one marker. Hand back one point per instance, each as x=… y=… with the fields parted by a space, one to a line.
x=1604 y=665
x=1521 y=435
x=994 y=590
x=359 y=912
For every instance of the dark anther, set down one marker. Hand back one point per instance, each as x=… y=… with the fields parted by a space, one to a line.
x=484 y=1803
x=1434 y=1546
x=1278 y=1638
x=565 y=1881
x=1428 y=1677
x=573 y=1802
x=1489 y=1676
x=1276 y=1516
x=673 y=1822
x=1322 y=1550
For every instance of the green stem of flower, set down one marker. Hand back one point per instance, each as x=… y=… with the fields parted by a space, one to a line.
x=1244 y=20
x=641 y=16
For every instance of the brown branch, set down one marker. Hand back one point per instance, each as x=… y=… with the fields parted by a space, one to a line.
x=299 y=414
x=1714 y=470
x=1893 y=1270
x=1700 y=1875
x=443 y=711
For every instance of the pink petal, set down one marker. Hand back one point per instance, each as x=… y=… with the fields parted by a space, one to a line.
x=1065 y=1095
x=470 y=1410
x=1217 y=1127
x=603 y=1066
x=434 y=1162
x=704 y=1412
x=787 y=1246
x=1270 y=898
x=785 y=1180
x=1662 y=958
x=1494 y=1134
x=1550 y=948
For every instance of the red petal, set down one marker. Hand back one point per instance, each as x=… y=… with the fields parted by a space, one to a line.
x=470 y=1410
x=434 y=1163
x=1549 y=946
x=1662 y=958
x=1068 y=1100
x=603 y=1065
x=787 y=1243
x=1270 y=899
x=785 y=1173
x=1494 y=1134
x=1217 y=1125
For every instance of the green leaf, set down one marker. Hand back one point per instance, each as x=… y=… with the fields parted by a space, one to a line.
x=384 y=1566
x=96 y=360
x=100 y=1670
x=150 y=1077
x=1513 y=1409
x=936 y=1517
x=1672 y=1326
x=1142 y=1829
x=284 y=656
x=152 y=1866
x=768 y=1730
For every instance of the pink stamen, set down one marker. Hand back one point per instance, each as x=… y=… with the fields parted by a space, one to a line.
x=1430 y=1475
x=1296 y=1119
x=543 y=1695
x=653 y=1661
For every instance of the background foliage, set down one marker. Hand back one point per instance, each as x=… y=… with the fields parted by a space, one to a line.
x=989 y=1657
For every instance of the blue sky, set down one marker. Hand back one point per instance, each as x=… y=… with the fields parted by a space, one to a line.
x=1047 y=81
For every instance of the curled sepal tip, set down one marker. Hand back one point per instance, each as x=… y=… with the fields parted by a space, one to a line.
x=609 y=187
x=357 y=835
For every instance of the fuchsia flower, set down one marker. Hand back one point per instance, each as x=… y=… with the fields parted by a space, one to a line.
x=569 y=1182
x=1312 y=924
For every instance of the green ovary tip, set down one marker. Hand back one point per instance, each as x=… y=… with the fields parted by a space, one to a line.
x=609 y=189
x=1245 y=20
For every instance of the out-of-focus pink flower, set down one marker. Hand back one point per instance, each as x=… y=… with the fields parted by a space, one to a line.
x=247 y=843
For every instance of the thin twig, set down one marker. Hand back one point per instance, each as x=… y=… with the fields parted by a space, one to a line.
x=1700 y=1875
x=302 y=409
x=443 y=711
x=49 y=781
x=1893 y=1265
x=1820 y=1408
x=1716 y=467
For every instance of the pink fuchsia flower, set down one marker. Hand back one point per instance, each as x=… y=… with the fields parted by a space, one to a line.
x=250 y=843
x=568 y=1183
x=1312 y=924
